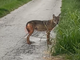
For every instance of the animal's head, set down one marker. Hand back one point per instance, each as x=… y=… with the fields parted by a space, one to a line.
x=56 y=19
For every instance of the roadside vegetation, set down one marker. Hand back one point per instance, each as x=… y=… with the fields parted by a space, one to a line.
x=68 y=30
x=6 y=6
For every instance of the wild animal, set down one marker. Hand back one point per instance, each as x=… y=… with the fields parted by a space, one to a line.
x=39 y=25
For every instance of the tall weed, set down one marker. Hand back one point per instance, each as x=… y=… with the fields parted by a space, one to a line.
x=68 y=30
x=68 y=33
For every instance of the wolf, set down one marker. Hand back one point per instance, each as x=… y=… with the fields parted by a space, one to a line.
x=40 y=25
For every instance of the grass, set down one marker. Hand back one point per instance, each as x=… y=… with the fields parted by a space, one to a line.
x=68 y=30
x=6 y=6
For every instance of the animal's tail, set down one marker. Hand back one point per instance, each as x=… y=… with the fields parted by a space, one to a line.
x=26 y=31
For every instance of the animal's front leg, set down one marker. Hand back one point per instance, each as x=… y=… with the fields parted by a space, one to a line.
x=48 y=38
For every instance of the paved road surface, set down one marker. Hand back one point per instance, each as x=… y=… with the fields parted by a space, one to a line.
x=12 y=30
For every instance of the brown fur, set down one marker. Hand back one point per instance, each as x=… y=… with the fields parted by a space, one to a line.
x=42 y=26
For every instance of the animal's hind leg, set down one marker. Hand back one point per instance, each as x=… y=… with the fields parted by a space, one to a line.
x=28 y=41
x=30 y=31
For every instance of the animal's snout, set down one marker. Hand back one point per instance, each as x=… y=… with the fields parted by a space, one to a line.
x=57 y=22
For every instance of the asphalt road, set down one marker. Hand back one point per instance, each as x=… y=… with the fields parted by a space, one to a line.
x=12 y=30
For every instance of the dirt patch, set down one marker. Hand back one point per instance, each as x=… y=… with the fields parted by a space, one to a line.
x=54 y=58
x=49 y=57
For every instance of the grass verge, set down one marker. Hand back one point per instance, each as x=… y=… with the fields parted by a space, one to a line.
x=6 y=6
x=68 y=30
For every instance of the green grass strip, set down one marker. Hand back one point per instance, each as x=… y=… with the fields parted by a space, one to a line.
x=68 y=30
x=6 y=6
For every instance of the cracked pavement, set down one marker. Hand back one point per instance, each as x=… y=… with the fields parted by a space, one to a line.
x=12 y=30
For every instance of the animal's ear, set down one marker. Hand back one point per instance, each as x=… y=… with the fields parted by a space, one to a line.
x=53 y=15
